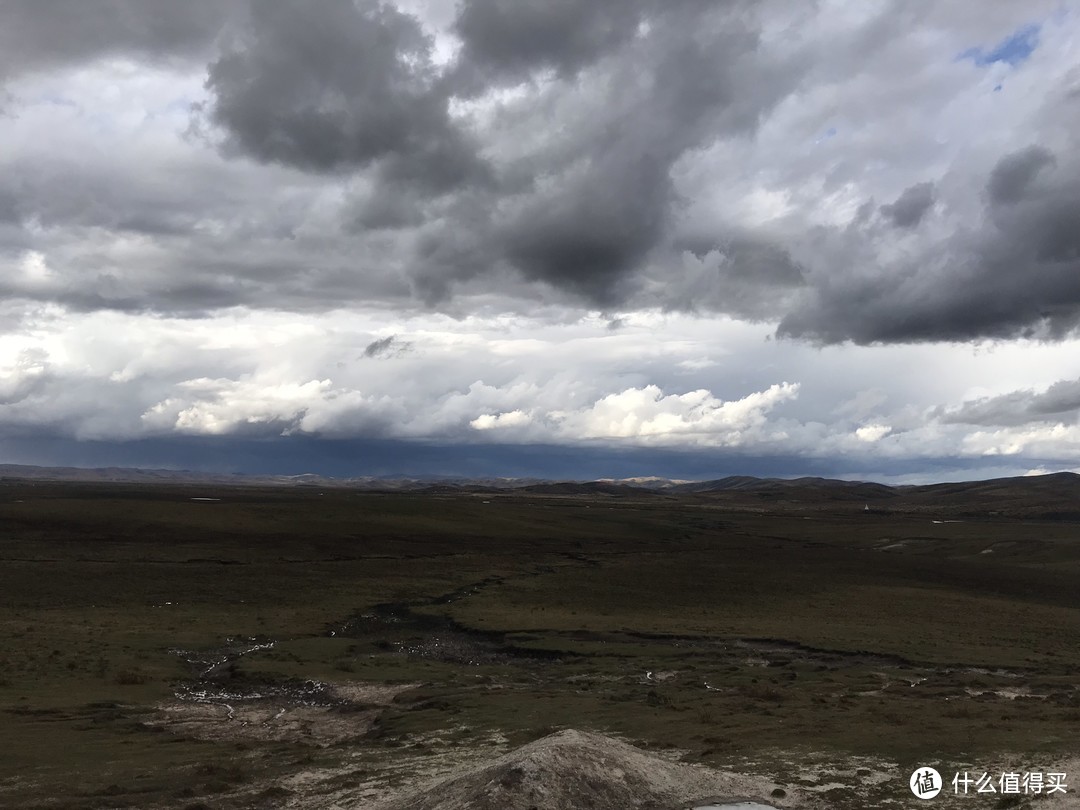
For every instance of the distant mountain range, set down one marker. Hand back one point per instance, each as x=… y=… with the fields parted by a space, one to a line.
x=1055 y=495
x=131 y=475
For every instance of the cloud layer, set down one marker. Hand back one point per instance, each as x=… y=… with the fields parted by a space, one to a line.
x=836 y=174
x=658 y=383
x=749 y=159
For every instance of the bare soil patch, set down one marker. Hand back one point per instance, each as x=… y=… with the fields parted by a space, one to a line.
x=314 y=713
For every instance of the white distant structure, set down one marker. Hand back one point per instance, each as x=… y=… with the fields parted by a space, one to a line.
x=866 y=508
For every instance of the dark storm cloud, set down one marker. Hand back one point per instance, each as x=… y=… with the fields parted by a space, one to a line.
x=548 y=158
x=338 y=84
x=384 y=210
x=506 y=40
x=36 y=35
x=1014 y=173
x=1017 y=274
x=1060 y=402
x=597 y=204
x=911 y=206
x=351 y=87
x=595 y=229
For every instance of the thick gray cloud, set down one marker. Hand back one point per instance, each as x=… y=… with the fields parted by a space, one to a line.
x=911 y=206
x=595 y=201
x=335 y=85
x=37 y=35
x=506 y=40
x=1014 y=273
x=344 y=86
x=1013 y=174
x=743 y=275
x=593 y=230
x=574 y=188
x=718 y=158
x=1058 y=403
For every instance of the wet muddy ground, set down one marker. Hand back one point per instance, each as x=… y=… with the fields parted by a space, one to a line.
x=225 y=698
x=222 y=702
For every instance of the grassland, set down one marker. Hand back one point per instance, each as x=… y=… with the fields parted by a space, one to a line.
x=745 y=634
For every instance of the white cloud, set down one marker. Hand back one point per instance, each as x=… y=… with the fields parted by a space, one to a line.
x=221 y=406
x=1060 y=441
x=696 y=417
x=488 y=421
x=872 y=433
x=22 y=373
x=485 y=379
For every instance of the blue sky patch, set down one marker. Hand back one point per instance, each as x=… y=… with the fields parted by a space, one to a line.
x=826 y=135
x=1012 y=50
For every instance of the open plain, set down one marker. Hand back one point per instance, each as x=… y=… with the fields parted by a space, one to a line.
x=196 y=646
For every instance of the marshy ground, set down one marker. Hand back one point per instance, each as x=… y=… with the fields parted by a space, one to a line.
x=295 y=648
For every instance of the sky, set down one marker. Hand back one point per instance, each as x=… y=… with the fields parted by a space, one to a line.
x=541 y=238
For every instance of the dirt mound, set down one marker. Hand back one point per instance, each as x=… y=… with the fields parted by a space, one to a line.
x=575 y=770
